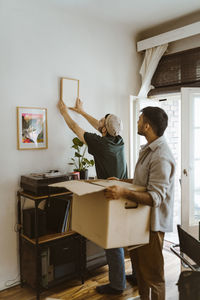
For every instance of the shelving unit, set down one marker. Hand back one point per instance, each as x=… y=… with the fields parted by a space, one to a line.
x=49 y=259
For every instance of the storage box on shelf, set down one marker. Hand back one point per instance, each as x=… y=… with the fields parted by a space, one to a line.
x=58 y=261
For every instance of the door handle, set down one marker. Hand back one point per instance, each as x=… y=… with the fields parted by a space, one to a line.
x=185 y=172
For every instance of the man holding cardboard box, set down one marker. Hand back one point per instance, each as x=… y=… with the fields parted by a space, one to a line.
x=155 y=169
x=108 y=152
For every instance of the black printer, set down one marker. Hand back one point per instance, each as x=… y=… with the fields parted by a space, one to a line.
x=37 y=183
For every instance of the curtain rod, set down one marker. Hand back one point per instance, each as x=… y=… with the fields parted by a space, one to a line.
x=170 y=36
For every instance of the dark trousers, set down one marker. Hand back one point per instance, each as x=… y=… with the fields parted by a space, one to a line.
x=148 y=263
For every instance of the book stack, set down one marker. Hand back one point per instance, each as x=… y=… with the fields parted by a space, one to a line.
x=59 y=215
x=67 y=218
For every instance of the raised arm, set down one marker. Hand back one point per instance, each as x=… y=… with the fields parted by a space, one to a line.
x=79 y=109
x=71 y=124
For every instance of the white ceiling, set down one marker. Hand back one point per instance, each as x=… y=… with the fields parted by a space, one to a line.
x=138 y=14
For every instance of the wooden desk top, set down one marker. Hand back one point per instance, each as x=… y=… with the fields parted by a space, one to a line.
x=34 y=197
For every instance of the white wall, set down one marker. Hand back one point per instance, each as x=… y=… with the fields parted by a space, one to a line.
x=41 y=42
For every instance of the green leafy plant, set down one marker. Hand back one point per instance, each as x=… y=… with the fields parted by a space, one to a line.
x=80 y=162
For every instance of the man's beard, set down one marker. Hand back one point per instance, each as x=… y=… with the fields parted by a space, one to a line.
x=140 y=133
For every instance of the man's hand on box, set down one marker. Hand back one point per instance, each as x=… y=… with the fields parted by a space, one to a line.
x=113 y=178
x=114 y=192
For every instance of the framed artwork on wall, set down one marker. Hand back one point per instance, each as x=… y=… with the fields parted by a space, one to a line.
x=69 y=90
x=31 y=128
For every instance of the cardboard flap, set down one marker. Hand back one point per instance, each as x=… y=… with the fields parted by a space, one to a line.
x=79 y=187
x=127 y=185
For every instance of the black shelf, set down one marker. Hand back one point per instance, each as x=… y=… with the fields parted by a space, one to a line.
x=50 y=259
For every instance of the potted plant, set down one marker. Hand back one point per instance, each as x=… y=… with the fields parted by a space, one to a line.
x=80 y=162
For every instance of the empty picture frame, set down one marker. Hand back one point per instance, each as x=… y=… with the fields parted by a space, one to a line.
x=69 y=90
x=31 y=128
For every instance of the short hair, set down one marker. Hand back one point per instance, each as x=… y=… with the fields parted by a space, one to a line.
x=107 y=134
x=107 y=115
x=157 y=119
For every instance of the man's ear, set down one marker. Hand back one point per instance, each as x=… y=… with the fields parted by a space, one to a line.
x=147 y=126
x=104 y=130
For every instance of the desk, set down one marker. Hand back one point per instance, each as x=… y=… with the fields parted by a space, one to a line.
x=189 y=246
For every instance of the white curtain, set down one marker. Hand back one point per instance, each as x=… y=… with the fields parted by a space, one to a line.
x=149 y=65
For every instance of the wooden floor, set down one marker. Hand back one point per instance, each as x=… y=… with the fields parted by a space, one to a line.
x=76 y=291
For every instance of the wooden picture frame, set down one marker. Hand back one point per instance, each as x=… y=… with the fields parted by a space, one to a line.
x=31 y=128
x=69 y=90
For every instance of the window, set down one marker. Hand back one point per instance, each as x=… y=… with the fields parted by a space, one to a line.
x=177 y=70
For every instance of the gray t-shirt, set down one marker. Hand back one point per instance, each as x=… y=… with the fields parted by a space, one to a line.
x=155 y=169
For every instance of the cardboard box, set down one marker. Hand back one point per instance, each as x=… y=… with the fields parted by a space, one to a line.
x=108 y=223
